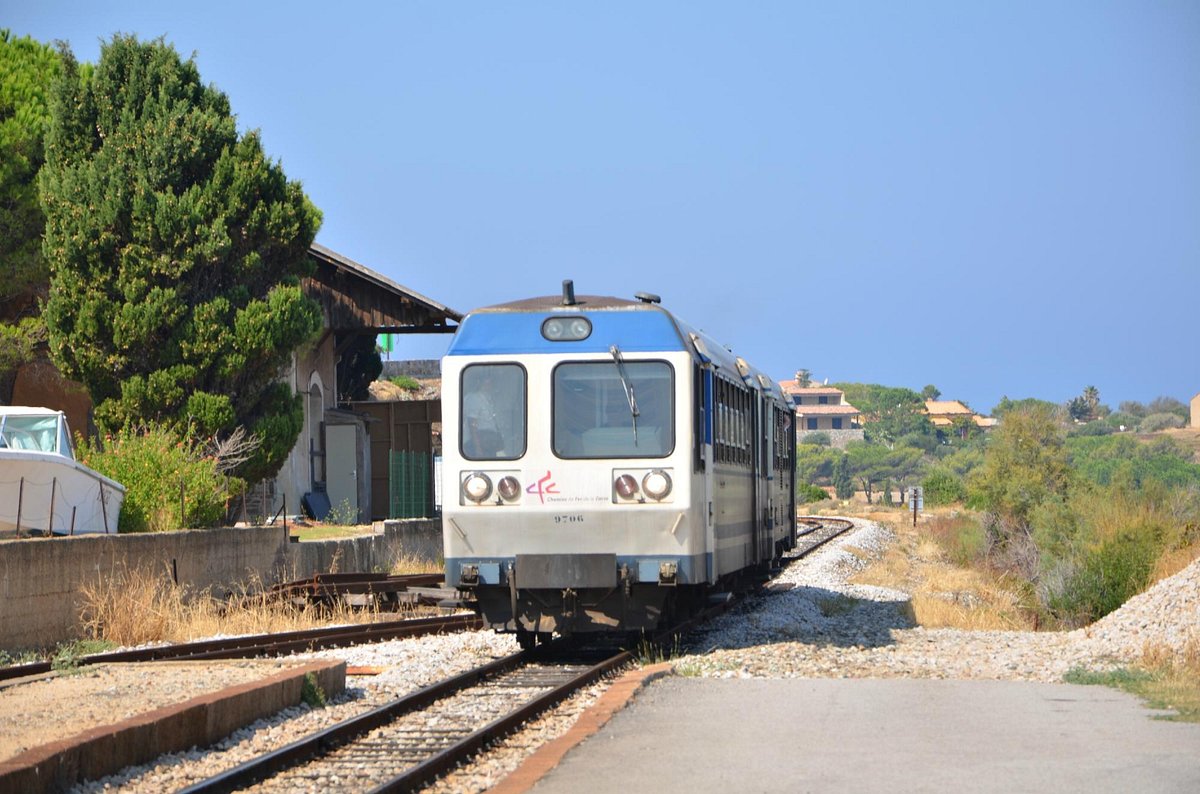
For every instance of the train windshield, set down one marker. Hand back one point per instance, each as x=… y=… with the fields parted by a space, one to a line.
x=595 y=416
x=493 y=412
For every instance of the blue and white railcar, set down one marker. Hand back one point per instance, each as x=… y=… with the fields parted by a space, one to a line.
x=605 y=464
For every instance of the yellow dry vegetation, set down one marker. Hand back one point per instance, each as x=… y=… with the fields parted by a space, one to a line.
x=137 y=606
x=943 y=594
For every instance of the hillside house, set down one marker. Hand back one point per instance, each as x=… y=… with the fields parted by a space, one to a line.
x=944 y=413
x=823 y=409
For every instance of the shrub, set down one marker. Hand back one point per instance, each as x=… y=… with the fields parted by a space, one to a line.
x=1096 y=428
x=153 y=463
x=406 y=383
x=807 y=492
x=1155 y=422
x=942 y=487
x=1107 y=577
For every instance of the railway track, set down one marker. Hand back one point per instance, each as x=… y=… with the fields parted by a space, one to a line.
x=814 y=532
x=410 y=741
x=269 y=644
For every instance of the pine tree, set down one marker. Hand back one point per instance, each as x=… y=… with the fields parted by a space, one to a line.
x=175 y=250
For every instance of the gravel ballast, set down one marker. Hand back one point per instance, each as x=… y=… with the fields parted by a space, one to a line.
x=812 y=623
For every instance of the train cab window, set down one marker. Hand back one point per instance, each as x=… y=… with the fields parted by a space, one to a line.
x=493 y=412
x=606 y=410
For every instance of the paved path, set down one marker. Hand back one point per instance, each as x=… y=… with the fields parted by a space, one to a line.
x=821 y=735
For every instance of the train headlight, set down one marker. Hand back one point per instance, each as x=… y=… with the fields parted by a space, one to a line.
x=477 y=487
x=509 y=488
x=626 y=486
x=566 y=329
x=657 y=484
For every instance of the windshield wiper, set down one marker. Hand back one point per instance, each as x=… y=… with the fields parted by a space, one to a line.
x=629 y=395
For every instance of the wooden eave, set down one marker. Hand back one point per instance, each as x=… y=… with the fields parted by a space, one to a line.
x=356 y=299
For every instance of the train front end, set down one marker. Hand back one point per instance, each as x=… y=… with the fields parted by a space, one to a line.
x=571 y=495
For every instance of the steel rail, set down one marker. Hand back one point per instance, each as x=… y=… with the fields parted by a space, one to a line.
x=265 y=644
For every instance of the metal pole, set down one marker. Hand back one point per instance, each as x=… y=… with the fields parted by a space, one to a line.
x=20 y=502
x=103 y=508
x=73 y=509
x=182 y=507
x=53 y=490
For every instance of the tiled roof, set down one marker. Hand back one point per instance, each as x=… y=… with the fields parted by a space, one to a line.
x=945 y=407
x=790 y=387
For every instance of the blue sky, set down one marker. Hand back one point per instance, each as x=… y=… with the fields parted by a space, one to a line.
x=996 y=198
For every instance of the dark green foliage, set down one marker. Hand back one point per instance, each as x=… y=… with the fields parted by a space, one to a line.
x=806 y=493
x=359 y=366
x=406 y=382
x=931 y=392
x=1121 y=457
x=889 y=413
x=311 y=693
x=843 y=483
x=27 y=70
x=175 y=248
x=1168 y=405
x=819 y=438
x=1110 y=574
x=1092 y=429
x=873 y=464
x=943 y=487
x=814 y=463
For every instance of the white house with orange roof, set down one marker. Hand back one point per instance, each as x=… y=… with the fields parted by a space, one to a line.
x=823 y=409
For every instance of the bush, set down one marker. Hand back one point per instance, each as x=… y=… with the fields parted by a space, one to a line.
x=151 y=463
x=406 y=383
x=1097 y=428
x=807 y=492
x=1155 y=422
x=1108 y=576
x=942 y=487
x=819 y=438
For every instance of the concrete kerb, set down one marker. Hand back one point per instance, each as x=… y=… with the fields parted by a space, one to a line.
x=197 y=722
x=546 y=757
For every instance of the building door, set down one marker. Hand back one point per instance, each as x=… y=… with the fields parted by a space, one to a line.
x=341 y=470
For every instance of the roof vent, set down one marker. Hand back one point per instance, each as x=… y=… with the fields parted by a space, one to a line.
x=648 y=297
x=568 y=292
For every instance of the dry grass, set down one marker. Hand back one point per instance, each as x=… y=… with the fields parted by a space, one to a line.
x=944 y=595
x=1166 y=678
x=132 y=607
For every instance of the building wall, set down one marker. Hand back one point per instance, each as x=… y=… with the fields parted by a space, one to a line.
x=1196 y=412
x=311 y=367
x=822 y=423
x=41 y=579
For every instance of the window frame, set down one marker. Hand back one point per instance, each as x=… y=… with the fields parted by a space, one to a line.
x=462 y=414
x=672 y=394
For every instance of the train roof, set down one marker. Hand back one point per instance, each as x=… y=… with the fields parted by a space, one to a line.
x=635 y=326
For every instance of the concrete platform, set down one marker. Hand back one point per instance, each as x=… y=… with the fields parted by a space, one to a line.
x=197 y=722
x=711 y=735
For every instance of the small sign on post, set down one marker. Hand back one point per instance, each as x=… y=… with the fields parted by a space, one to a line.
x=916 y=500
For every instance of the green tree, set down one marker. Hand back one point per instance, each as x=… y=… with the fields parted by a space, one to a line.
x=360 y=364
x=843 y=484
x=889 y=413
x=872 y=464
x=931 y=392
x=1025 y=464
x=27 y=70
x=1005 y=405
x=175 y=250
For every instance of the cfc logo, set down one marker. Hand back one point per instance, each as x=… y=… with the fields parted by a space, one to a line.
x=542 y=487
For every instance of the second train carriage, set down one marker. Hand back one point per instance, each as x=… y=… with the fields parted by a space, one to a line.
x=604 y=463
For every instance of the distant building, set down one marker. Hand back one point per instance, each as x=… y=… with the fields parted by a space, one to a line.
x=1196 y=412
x=823 y=409
x=943 y=414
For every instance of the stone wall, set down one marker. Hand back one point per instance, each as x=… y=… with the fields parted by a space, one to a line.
x=41 y=579
x=838 y=439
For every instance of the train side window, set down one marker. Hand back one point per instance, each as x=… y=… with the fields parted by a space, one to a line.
x=492 y=412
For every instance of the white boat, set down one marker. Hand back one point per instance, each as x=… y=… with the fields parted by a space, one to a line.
x=43 y=489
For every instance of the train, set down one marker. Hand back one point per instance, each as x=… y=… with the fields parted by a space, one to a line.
x=606 y=466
